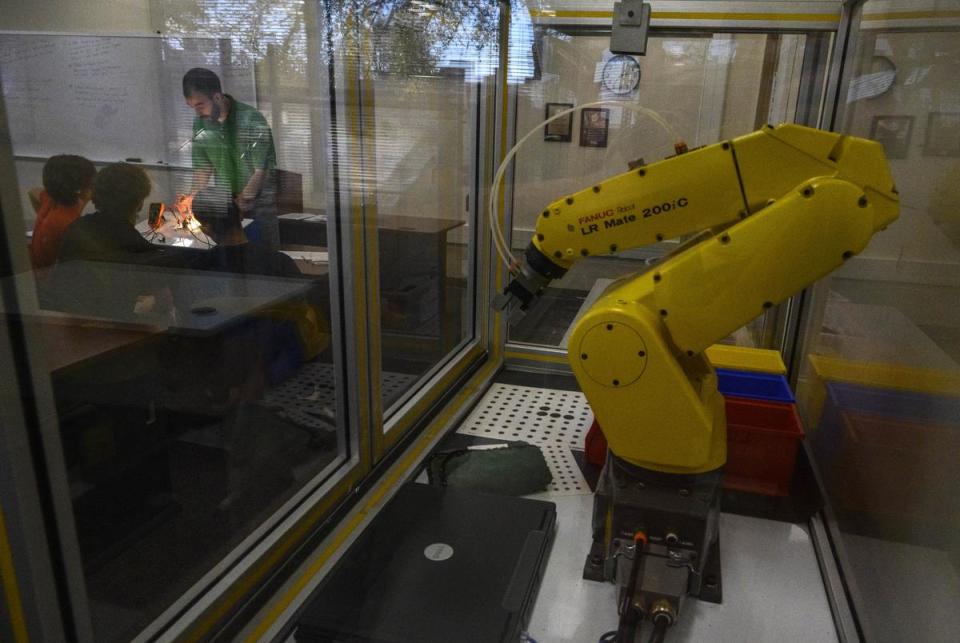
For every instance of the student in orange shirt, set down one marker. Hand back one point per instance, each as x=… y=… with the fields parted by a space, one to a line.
x=67 y=183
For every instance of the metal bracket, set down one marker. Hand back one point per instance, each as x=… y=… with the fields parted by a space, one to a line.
x=631 y=21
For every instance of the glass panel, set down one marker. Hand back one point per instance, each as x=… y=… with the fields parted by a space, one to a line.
x=425 y=64
x=707 y=87
x=189 y=346
x=880 y=385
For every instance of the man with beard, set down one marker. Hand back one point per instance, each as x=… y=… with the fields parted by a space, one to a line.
x=233 y=146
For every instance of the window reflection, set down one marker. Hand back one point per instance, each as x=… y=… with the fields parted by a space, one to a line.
x=184 y=316
x=881 y=383
x=425 y=62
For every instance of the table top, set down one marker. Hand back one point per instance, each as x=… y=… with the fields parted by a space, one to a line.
x=70 y=343
x=206 y=301
x=169 y=235
x=392 y=222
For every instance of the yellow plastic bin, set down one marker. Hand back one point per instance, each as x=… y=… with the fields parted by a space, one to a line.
x=743 y=358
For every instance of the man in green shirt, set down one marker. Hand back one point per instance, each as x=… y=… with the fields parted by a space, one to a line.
x=233 y=146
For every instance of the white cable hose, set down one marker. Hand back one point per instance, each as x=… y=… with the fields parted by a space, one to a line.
x=503 y=248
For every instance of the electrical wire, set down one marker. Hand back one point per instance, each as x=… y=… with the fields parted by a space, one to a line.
x=194 y=235
x=502 y=247
x=660 y=625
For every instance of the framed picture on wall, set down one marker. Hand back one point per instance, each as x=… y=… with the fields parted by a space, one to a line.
x=943 y=134
x=594 y=125
x=894 y=133
x=560 y=130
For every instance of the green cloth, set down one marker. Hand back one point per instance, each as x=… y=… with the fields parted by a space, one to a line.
x=516 y=470
x=235 y=148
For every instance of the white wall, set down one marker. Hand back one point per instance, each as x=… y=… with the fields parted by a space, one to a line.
x=679 y=80
x=79 y=16
x=926 y=82
x=74 y=16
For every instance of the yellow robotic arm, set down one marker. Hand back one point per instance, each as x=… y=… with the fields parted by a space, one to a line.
x=780 y=208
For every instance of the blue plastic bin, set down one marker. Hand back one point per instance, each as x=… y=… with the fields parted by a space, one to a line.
x=844 y=399
x=755 y=386
x=924 y=408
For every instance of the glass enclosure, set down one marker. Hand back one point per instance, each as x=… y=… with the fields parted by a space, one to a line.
x=423 y=66
x=220 y=237
x=242 y=260
x=190 y=357
x=706 y=86
x=880 y=381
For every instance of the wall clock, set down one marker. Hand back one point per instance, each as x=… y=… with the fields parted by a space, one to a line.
x=621 y=74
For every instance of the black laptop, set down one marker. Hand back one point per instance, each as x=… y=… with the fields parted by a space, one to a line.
x=436 y=566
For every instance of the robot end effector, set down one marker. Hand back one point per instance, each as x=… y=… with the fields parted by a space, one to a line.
x=529 y=278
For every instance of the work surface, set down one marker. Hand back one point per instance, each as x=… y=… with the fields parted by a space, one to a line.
x=772 y=589
x=207 y=300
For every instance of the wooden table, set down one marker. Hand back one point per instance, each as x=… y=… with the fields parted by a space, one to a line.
x=207 y=301
x=105 y=368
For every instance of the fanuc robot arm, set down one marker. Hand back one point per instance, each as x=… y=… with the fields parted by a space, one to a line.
x=781 y=208
x=777 y=209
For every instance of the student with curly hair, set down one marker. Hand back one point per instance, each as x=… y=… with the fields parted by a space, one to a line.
x=119 y=191
x=107 y=236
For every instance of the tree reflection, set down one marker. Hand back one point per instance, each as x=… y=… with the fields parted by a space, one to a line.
x=252 y=26
x=416 y=37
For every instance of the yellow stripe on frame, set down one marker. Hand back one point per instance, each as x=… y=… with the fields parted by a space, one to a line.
x=10 y=590
x=536 y=357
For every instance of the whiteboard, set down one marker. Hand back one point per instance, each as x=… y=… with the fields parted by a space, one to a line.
x=109 y=98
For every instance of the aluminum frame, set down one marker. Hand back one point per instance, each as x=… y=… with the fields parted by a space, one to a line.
x=36 y=466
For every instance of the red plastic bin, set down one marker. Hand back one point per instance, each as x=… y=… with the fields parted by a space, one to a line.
x=902 y=470
x=762 y=442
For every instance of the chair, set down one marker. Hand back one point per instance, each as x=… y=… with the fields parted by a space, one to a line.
x=33 y=194
x=289 y=191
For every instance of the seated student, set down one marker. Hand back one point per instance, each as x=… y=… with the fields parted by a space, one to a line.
x=108 y=235
x=67 y=181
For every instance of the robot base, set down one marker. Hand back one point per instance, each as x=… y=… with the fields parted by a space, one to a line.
x=656 y=535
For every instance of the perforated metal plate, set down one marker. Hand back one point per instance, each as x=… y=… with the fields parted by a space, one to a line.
x=535 y=415
x=555 y=421
x=308 y=399
x=567 y=479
